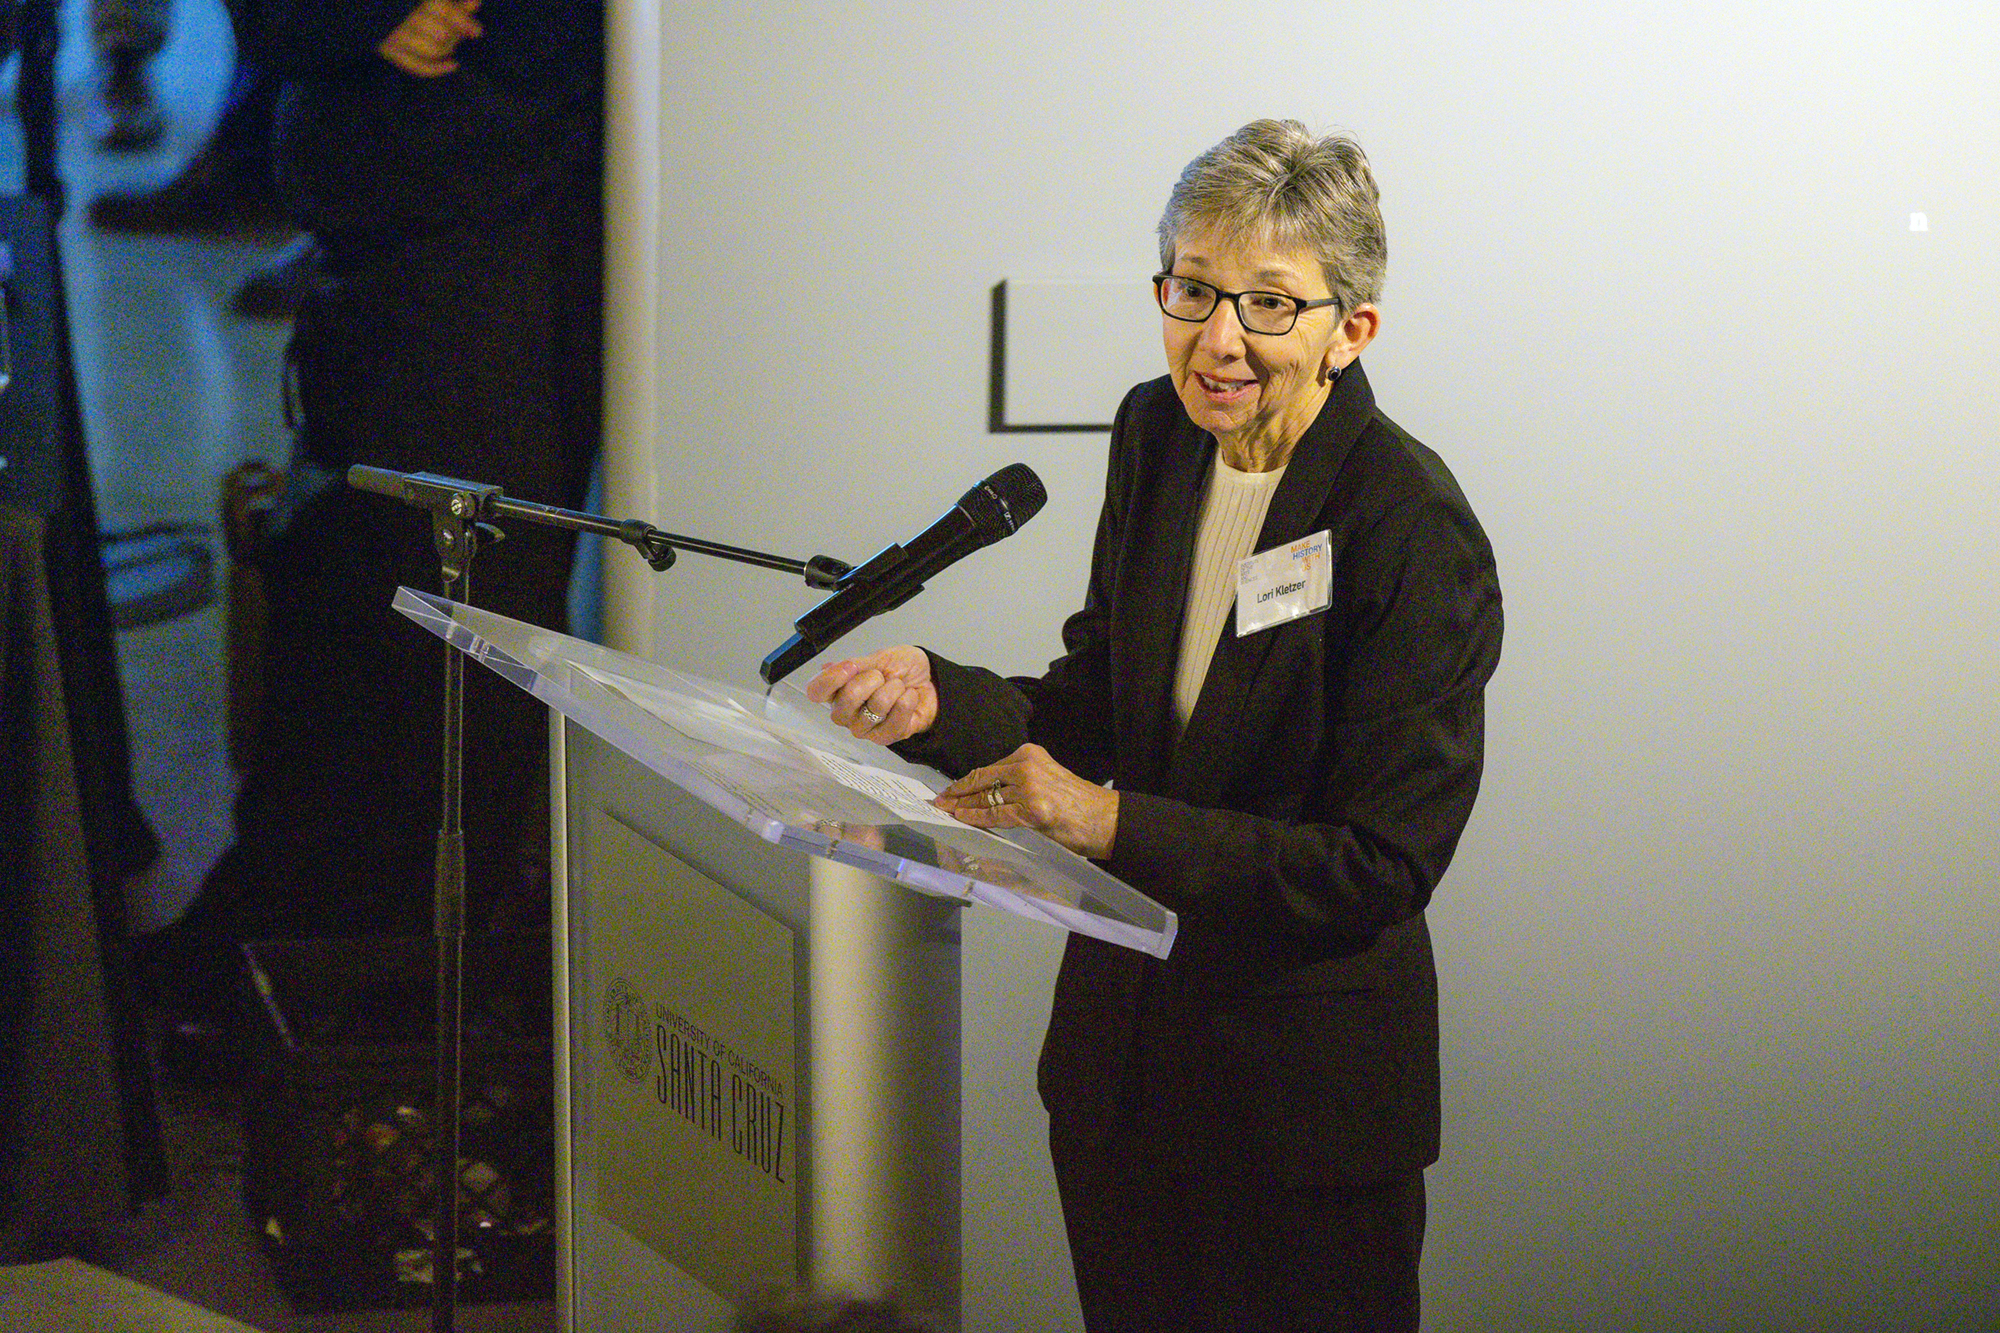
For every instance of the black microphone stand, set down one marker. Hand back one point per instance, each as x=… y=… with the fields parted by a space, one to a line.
x=461 y=516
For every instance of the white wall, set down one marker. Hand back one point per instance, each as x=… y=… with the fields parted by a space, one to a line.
x=1718 y=950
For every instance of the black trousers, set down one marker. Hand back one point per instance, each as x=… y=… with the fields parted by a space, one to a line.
x=1168 y=1235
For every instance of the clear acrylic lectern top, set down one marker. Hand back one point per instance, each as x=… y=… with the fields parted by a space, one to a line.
x=775 y=764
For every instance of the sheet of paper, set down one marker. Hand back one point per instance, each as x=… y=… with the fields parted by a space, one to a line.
x=907 y=798
x=720 y=724
x=729 y=726
x=795 y=796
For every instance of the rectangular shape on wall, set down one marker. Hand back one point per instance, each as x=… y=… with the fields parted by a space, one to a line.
x=698 y=1095
x=1065 y=350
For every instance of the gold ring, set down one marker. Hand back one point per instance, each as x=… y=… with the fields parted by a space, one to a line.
x=874 y=718
x=993 y=796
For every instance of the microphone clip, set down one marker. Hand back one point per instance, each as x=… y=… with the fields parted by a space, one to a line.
x=826 y=573
x=467 y=501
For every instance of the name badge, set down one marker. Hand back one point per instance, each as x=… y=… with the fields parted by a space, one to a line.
x=1284 y=583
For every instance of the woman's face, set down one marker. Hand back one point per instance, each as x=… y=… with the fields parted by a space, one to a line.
x=1257 y=392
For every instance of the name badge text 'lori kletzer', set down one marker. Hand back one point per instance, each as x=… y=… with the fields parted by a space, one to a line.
x=1284 y=583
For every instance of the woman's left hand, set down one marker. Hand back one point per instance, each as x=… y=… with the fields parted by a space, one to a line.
x=1028 y=789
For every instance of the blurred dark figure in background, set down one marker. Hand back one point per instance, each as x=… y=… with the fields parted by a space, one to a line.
x=127 y=34
x=226 y=189
x=449 y=168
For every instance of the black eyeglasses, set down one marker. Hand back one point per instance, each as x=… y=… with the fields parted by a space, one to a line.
x=1257 y=312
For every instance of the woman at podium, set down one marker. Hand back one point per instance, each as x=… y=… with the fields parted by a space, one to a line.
x=1268 y=717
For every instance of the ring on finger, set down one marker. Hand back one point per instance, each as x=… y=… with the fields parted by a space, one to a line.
x=993 y=796
x=873 y=718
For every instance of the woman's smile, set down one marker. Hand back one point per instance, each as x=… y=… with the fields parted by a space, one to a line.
x=1225 y=391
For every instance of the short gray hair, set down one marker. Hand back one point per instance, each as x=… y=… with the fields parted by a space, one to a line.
x=1274 y=182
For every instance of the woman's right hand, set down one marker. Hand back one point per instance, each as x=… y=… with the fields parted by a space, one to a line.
x=884 y=697
x=424 y=43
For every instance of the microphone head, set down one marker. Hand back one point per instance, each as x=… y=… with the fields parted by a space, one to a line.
x=999 y=505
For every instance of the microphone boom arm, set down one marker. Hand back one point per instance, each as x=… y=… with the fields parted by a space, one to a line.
x=474 y=501
x=993 y=509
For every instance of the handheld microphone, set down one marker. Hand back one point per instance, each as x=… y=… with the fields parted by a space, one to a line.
x=993 y=509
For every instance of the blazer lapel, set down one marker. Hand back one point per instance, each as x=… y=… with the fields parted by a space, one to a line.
x=1154 y=604
x=1209 y=751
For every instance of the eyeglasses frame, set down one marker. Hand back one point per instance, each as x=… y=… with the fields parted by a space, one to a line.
x=1299 y=307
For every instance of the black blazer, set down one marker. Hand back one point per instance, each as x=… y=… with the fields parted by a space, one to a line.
x=1300 y=823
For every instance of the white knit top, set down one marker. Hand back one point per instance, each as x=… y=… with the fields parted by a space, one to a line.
x=1233 y=505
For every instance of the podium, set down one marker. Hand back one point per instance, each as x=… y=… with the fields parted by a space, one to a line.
x=757 y=987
